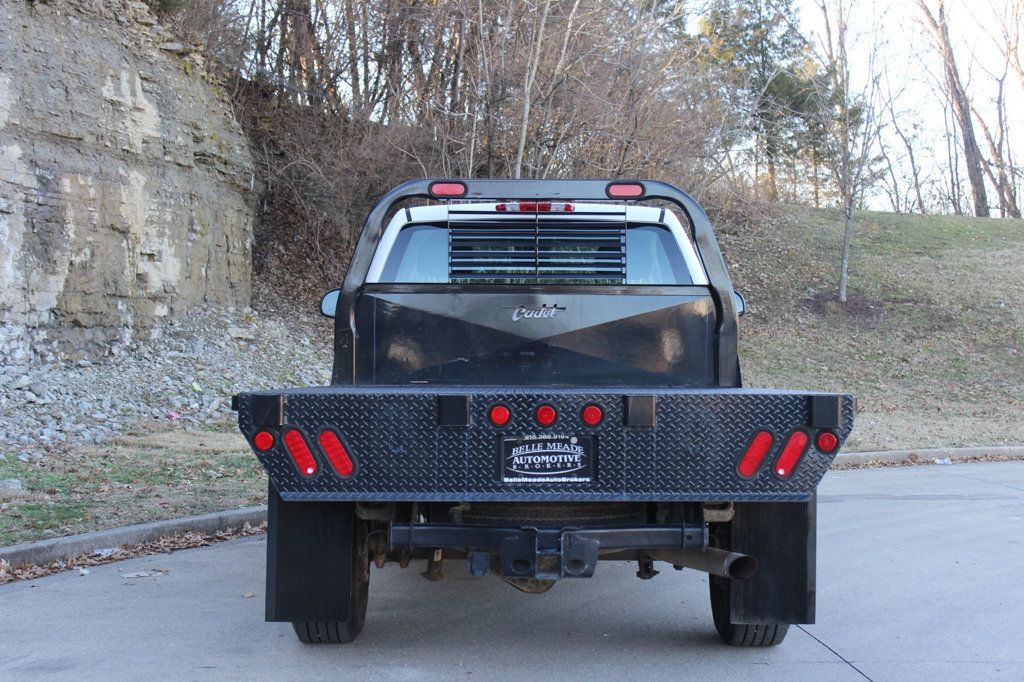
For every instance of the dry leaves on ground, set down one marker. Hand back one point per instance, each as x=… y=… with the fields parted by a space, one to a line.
x=164 y=545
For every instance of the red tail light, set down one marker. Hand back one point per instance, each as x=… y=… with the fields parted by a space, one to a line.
x=336 y=453
x=592 y=415
x=755 y=454
x=791 y=454
x=827 y=442
x=263 y=440
x=448 y=189
x=546 y=415
x=625 y=190
x=500 y=415
x=300 y=453
x=535 y=206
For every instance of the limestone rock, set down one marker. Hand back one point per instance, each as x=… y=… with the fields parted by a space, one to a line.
x=125 y=183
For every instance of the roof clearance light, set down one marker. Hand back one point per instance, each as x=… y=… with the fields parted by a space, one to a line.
x=546 y=415
x=625 y=190
x=448 y=189
x=299 y=451
x=791 y=453
x=755 y=454
x=535 y=207
x=336 y=453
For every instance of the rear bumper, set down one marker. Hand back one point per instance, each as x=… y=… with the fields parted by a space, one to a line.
x=438 y=444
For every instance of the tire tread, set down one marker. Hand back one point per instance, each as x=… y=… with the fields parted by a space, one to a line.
x=740 y=634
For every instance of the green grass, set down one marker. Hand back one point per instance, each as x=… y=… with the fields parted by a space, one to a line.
x=931 y=341
x=139 y=478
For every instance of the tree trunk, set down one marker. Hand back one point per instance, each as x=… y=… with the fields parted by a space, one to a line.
x=961 y=107
x=531 y=73
x=844 y=263
x=817 y=182
x=773 y=187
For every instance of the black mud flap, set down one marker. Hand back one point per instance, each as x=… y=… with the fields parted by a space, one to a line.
x=309 y=560
x=782 y=537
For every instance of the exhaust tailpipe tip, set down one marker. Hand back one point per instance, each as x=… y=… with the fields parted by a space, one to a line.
x=710 y=560
x=741 y=566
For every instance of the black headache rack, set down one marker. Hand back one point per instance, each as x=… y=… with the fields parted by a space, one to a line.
x=346 y=334
x=429 y=443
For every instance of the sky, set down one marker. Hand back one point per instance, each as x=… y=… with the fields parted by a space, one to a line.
x=913 y=69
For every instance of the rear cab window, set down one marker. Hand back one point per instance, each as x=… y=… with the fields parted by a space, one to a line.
x=587 y=247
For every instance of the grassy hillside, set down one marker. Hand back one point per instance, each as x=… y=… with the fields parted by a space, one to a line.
x=931 y=341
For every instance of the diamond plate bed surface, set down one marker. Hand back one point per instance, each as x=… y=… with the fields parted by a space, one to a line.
x=402 y=454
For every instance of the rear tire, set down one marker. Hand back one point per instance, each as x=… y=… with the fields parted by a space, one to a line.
x=337 y=632
x=740 y=634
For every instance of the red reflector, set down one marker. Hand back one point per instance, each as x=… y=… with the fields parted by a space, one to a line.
x=795 y=447
x=592 y=415
x=500 y=415
x=625 y=190
x=336 y=453
x=264 y=440
x=448 y=189
x=755 y=454
x=546 y=415
x=535 y=207
x=827 y=442
x=299 y=451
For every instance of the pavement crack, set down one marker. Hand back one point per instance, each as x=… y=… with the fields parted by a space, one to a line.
x=837 y=654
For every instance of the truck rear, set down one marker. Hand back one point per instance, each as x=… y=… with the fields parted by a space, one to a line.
x=531 y=377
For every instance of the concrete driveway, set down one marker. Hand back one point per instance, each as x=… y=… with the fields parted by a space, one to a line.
x=919 y=577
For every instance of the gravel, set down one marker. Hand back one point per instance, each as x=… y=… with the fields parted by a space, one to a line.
x=186 y=376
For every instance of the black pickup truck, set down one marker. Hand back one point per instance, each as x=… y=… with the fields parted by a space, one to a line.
x=531 y=376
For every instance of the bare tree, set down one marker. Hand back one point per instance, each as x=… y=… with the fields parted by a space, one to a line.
x=1001 y=169
x=961 y=104
x=897 y=123
x=854 y=129
x=533 y=61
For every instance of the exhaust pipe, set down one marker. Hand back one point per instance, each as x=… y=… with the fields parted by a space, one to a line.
x=710 y=560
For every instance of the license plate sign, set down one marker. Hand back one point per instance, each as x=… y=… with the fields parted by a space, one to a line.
x=548 y=459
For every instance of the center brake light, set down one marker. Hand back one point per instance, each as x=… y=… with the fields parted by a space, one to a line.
x=546 y=415
x=535 y=207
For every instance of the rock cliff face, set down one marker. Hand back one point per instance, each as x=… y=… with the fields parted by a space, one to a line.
x=125 y=182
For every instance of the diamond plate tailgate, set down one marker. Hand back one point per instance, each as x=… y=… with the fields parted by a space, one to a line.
x=402 y=452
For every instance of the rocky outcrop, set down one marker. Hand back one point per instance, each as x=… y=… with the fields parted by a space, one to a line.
x=125 y=182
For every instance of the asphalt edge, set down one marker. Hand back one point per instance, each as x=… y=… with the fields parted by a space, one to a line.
x=45 y=551
x=928 y=454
